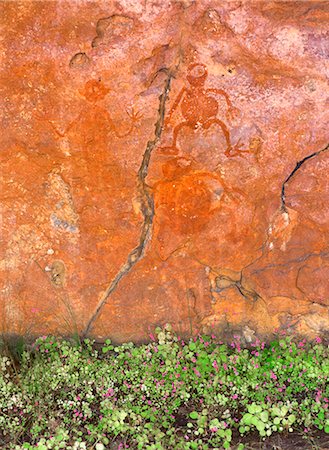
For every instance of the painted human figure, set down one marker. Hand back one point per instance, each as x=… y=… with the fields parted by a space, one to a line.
x=199 y=108
x=93 y=92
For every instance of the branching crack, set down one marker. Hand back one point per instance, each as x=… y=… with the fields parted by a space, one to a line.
x=224 y=282
x=297 y=167
x=147 y=206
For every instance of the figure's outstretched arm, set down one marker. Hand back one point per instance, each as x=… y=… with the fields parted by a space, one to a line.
x=42 y=118
x=175 y=105
x=59 y=133
x=223 y=93
x=231 y=111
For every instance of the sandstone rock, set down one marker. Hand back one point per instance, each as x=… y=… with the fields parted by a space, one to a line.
x=164 y=162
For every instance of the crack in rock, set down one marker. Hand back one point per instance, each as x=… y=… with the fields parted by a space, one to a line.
x=224 y=282
x=147 y=207
x=297 y=167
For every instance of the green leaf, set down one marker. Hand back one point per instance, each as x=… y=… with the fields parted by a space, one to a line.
x=284 y=410
x=192 y=346
x=254 y=409
x=214 y=423
x=223 y=357
x=326 y=429
x=276 y=411
x=194 y=415
x=228 y=433
x=260 y=426
x=247 y=418
x=321 y=415
x=264 y=416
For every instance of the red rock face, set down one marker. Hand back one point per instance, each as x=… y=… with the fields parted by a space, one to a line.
x=164 y=162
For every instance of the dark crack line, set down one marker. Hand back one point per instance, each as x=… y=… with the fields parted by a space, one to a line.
x=297 y=167
x=248 y=294
x=147 y=207
x=286 y=265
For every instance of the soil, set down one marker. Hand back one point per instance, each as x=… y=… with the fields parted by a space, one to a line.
x=291 y=441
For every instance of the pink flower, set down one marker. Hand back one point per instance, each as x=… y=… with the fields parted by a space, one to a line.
x=235 y=396
x=197 y=373
x=318 y=340
x=318 y=396
x=273 y=376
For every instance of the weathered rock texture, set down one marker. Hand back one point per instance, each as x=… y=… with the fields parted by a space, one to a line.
x=164 y=161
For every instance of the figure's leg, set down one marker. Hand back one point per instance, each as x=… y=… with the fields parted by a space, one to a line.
x=230 y=150
x=173 y=150
x=236 y=150
x=208 y=123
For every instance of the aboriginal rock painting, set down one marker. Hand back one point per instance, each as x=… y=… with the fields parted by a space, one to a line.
x=189 y=195
x=94 y=124
x=199 y=108
x=189 y=199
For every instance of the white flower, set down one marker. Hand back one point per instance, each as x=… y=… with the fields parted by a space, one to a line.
x=99 y=446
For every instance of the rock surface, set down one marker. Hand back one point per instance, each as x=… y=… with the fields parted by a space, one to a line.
x=164 y=162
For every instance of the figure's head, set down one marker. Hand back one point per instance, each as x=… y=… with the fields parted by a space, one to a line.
x=197 y=74
x=95 y=90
